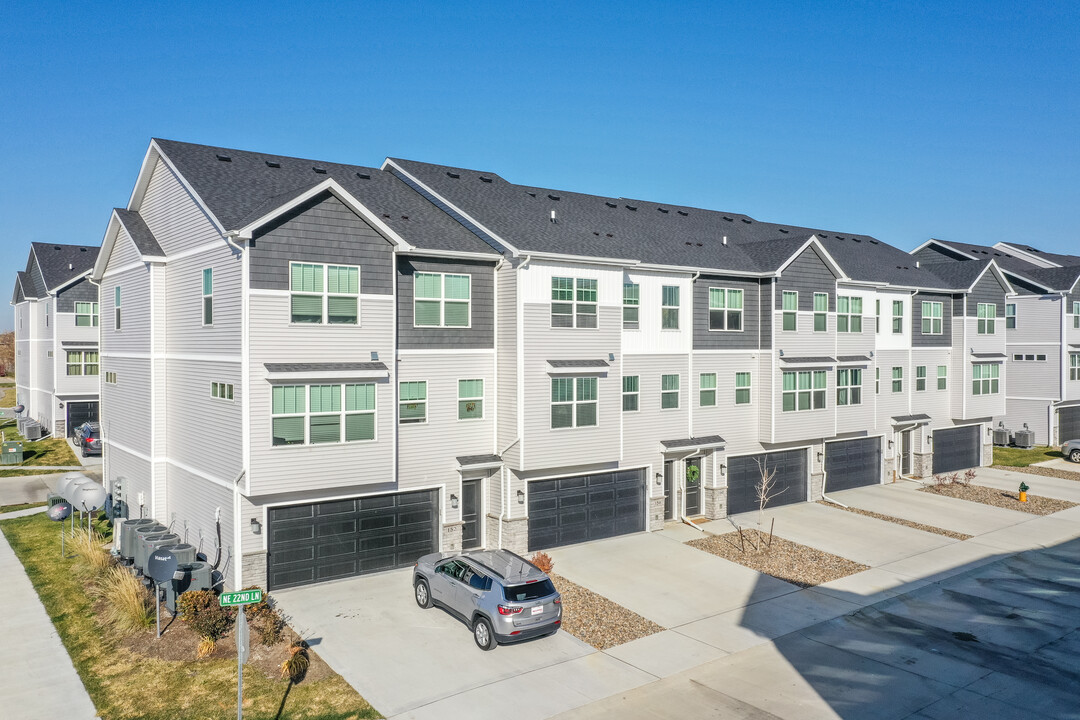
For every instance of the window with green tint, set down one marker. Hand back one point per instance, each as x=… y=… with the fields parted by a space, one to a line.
x=81 y=363
x=306 y=286
x=821 y=310
x=669 y=307
x=1010 y=316
x=707 y=389
x=725 y=309
x=342 y=295
x=86 y=314
x=942 y=377
x=932 y=318
x=359 y=412
x=412 y=402
x=877 y=381
x=324 y=427
x=848 y=314
x=669 y=392
x=803 y=390
x=288 y=412
x=987 y=314
x=562 y=402
x=984 y=378
x=573 y=402
x=585 y=402
x=630 y=393
x=898 y=317
x=1074 y=366
x=742 y=388
x=631 y=295
x=221 y=391
x=573 y=309
x=897 y=379
x=849 y=386
x=920 y=378
x=470 y=399
x=208 y=296
x=790 y=305
x=442 y=300
x=116 y=309
x=1076 y=315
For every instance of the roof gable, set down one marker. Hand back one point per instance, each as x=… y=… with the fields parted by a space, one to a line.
x=60 y=265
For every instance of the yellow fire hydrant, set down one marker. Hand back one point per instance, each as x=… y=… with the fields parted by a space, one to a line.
x=1023 y=492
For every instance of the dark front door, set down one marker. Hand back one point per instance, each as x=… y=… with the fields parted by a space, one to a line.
x=905 y=452
x=585 y=507
x=669 y=490
x=1068 y=424
x=79 y=413
x=693 y=486
x=470 y=514
x=744 y=474
x=956 y=449
x=852 y=463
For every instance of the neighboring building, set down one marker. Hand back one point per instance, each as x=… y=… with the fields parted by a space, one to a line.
x=56 y=337
x=323 y=370
x=1042 y=321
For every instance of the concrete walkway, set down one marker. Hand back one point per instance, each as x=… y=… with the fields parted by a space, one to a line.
x=37 y=679
x=1049 y=486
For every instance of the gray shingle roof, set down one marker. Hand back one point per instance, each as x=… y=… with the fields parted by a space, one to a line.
x=245 y=188
x=1006 y=260
x=693 y=442
x=853 y=358
x=25 y=284
x=820 y=360
x=61 y=263
x=1062 y=278
x=578 y=363
x=959 y=275
x=919 y=417
x=140 y=234
x=469 y=460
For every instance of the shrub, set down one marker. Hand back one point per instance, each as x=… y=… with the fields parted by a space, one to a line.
x=88 y=548
x=200 y=610
x=296 y=667
x=128 y=606
x=543 y=561
x=265 y=620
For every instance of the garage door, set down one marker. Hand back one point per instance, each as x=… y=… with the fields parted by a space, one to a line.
x=1068 y=424
x=80 y=412
x=956 y=449
x=744 y=473
x=852 y=463
x=585 y=507
x=326 y=541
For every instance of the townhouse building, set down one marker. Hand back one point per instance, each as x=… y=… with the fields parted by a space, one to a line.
x=56 y=337
x=316 y=370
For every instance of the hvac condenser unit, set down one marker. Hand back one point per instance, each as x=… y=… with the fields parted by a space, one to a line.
x=1024 y=438
x=1001 y=435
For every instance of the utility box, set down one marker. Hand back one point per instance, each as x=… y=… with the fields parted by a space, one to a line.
x=11 y=453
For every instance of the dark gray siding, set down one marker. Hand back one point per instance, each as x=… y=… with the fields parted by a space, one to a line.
x=82 y=291
x=482 y=332
x=766 y=317
x=807 y=274
x=987 y=290
x=753 y=292
x=935 y=254
x=323 y=230
x=942 y=340
x=957 y=305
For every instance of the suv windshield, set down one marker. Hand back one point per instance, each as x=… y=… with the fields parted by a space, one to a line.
x=529 y=591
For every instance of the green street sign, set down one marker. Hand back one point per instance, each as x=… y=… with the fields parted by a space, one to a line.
x=245 y=597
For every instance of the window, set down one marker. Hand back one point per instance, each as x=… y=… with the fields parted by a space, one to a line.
x=441 y=300
x=1029 y=358
x=821 y=309
x=942 y=377
x=984 y=378
x=849 y=386
x=208 y=296
x=1076 y=314
x=313 y=414
x=804 y=390
x=82 y=363
x=570 y=309
x=987 y=312
x=707 y=389
x=1074 y=366
x=631 y=299
x=110 y=377
x=669 y=310
x=630 y=396
x=412 y=402
x=46 y=314
x=877 y=381
x=287 y=419
x=725 y=309
x=360 y=412
x=669 y=392
x=49 y=354
x=86 y=314
x=573 y=402
x=324 y=294
x=221 y=391
x=897 y=317
x=790 y=306
x=877 y=316
x=742 y=388
x=897 y=379
x=1010 y=316
x=470 y=399
x=931 y=318
x=849 y=314
x=920 y=378
x=116 y=310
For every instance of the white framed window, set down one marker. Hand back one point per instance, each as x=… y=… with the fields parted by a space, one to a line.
x=573 y=302
x=1076 y=314
x=707 y=389
x=86 y=314
x=1074 y=366
x=987 y=314
x=821 y=312
x=898 y=317
x=631 y=299
x=46 y=314
x=324 y=294
x=442 y=300
x=221 y=391
x=725 y=309
x=790 y=305
x=877 y=316
x=208 y=296
x=412 y=402
x=359 y=412
x=80 y=362
x=877 y=381
x=803 y=390
x=316 y=415
x=110 y=377
x=848 y=314
x=932 y=318
x=742 y=388
x=631 y=397
x=1010 y=316
x=116 y=308
x=669 y=307
x=849 y=386
x=470 y=399
x=897 y=379
x=288 y=414
x=49 y=354
x=669 y=392
x=1029 y=358
x=984 y=378
x=573 y=402
x=920 y=378
x=942 y=377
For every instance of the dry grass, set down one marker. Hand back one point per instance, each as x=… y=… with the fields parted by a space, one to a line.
x=786 y=560
x=901 y=521
x=89 y=548
x=1043 y=471
x=1036 y=504
x=128 y=606
x=7 y=396
x=50 y=451
x=594 y=619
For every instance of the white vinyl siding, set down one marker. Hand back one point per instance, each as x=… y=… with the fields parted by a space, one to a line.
x=573 y=302
x=573 y=402
x=631 y=302
x=725 y=309
x=442 y=300
x=324 y=294
x=931 y=318
x=470 y=399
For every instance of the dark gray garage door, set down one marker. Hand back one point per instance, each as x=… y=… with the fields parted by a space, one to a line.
x=744 y=473
x=574 y=509
x=956 y=449
x=852 y=463
x=80 y=412
x=325 y=541
x=1068 y=424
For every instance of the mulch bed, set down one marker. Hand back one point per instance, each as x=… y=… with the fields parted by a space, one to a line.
x=1008 y=499
x=1044 y=471
x=901 y=521
x=594 y=619
x=797 y=564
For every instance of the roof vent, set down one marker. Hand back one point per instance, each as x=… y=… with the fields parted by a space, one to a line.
x=663 y=210
x=224 y=158
x=725 y=240
x=916 y=263
x=596 y=233
x=727 y=218
x=363 y=176
x=453 y=175
x=611 y=204
x=404 y=217
x=553 y=217
x=632 y=207
x=698 y=244
x=530 y=194
x=70 y=266
x=484 y=178
x=610 y=235
x=321 y=171
x=386 y=215
x=689 y=244
x=873 y=242
x=838 y=237
x=857 y=239
x=55 y=247
x=273 y=164
x=783 y=230
x=553 y=197
x=82 y=249
x=747 y=220
x=682 y=212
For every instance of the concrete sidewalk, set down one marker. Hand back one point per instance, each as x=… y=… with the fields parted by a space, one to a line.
x=37 y=678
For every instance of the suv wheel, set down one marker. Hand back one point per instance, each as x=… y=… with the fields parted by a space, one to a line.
x=482 y=634
x=1075 y=456
x=422 y=593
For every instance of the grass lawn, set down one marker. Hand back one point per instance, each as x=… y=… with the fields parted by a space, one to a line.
x=20 y=506
x=125 y=683
x=50 y=451
x=1018 y=457
x=7 y=396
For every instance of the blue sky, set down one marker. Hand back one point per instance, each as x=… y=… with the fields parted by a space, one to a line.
x=900 y=120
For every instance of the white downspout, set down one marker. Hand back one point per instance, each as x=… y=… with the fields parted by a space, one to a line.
x=505 y=504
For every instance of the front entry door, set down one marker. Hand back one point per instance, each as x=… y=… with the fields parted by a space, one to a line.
x=693 y=486
x=669 y=490
x=470 y=514
x=905 y=452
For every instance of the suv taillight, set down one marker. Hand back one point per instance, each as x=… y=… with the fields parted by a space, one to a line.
x=509 y=610
x=558 y=601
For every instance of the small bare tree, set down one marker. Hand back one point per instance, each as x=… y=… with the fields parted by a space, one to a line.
x=766 y=491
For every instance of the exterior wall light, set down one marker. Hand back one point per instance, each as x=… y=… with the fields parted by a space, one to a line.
x=256 y=526
x=521 y=497
x=723 y=469
x=453 y=501
x=659 y=478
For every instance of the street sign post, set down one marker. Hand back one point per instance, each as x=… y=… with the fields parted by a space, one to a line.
x=242 y=598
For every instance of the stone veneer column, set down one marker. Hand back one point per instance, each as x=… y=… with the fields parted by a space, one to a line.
x=451 y=537
x=253 y=567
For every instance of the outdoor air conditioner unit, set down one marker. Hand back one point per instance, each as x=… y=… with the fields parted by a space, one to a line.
x=1024 y=438
x=33 y=430
x=1001 y=435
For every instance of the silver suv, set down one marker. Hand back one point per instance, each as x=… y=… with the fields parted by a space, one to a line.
x=501 y=596
x=1071 y=450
